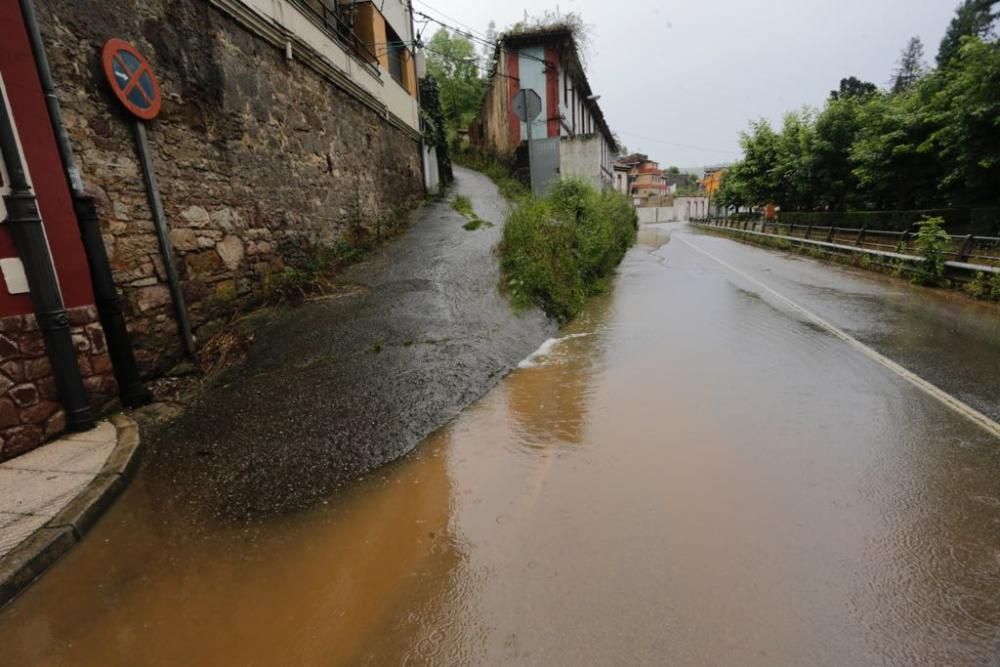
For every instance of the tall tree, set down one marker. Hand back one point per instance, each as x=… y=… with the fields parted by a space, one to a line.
x=963 y=104
x=453 y=61
x=910 y=67
x=758 y=169
x=973 y=18
x=837 y=128
x=795 y=161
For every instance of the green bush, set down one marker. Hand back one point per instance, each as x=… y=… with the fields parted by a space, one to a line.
x=931 y=242
x=559 y=250
x=978 y=287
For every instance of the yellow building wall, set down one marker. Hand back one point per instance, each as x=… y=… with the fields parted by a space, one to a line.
x=712 y=182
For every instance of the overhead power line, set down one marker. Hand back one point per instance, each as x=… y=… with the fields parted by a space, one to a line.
x=452 y=18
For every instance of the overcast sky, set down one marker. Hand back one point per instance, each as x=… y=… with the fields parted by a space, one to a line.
x=679 y=79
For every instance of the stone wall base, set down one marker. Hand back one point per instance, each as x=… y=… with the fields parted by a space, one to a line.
x=30 y=412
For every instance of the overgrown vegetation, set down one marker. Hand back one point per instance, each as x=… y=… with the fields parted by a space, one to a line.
x=453 y=62
x=314 y=275
x=932 y=141
x=983 y=287
x=559 y=250
x=511 y=188
x=435 y=127
x=931 y=243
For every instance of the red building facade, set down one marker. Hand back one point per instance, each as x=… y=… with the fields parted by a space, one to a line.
x=31 y=408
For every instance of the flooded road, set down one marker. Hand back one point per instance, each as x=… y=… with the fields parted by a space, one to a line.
x=692 y=473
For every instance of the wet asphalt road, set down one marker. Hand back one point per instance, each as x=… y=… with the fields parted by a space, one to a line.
x=334 y=388
x=690 y=473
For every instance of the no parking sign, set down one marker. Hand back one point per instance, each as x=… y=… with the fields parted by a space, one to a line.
x=131 y=78
x=134 y=84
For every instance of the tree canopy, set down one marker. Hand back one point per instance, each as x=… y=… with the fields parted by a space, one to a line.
x=974 y=18
x=931 y=141
x=453 y=61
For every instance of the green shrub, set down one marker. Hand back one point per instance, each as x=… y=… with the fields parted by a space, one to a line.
x=559 y=250
x=995 y=287
x=978 y=286
x=931 y=242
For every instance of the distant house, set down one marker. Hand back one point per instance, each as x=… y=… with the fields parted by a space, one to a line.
x=712 y=180
x=647 y=186
x=573 y=138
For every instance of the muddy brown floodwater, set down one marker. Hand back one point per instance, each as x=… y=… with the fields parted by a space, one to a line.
x=690 y=474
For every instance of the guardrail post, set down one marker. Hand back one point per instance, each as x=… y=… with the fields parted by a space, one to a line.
x=809 y=229
x=791 y=229
x=829 y=236
x=963 y=254
x=861 y=236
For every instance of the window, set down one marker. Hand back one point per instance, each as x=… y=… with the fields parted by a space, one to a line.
x=394 y=51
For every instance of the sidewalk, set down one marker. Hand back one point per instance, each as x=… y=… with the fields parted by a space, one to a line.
x=51 y=496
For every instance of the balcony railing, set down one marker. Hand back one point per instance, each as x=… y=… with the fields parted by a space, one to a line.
x=337 y=21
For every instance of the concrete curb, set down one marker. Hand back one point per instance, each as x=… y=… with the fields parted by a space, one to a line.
x=27 y=561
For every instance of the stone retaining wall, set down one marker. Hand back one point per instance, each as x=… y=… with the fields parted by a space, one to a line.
x=30 y=412
x=259 y=160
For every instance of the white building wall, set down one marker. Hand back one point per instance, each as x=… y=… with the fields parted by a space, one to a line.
x=652 y=215
x=432 y=179
x=581 y=158
x=531 y=68
x=397 y=16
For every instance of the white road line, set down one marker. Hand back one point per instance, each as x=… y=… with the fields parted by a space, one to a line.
x=958 y=406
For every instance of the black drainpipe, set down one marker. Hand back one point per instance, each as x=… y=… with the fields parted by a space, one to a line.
x=29 y=237
x=130 y=387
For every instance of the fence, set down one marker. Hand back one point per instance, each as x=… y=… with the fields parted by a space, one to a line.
x=982 y=221
x=968 y=251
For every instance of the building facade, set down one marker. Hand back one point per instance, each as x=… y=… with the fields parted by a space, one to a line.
x=571 y=121
x=33 y=375
x=286 y=126
x=647 y=187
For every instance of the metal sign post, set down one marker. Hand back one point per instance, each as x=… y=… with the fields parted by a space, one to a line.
x=134 y=84
x=527 y=106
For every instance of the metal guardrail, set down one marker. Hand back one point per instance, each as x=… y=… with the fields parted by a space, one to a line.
x=875 y=244
x=969 y=249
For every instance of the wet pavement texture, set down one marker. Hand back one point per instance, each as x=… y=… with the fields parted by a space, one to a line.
x=342 y=385
x=690 y=473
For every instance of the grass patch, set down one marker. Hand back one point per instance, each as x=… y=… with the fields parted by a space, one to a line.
x=559 y=250
x=463 y=205
x=473 y=225
x=313 y=275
